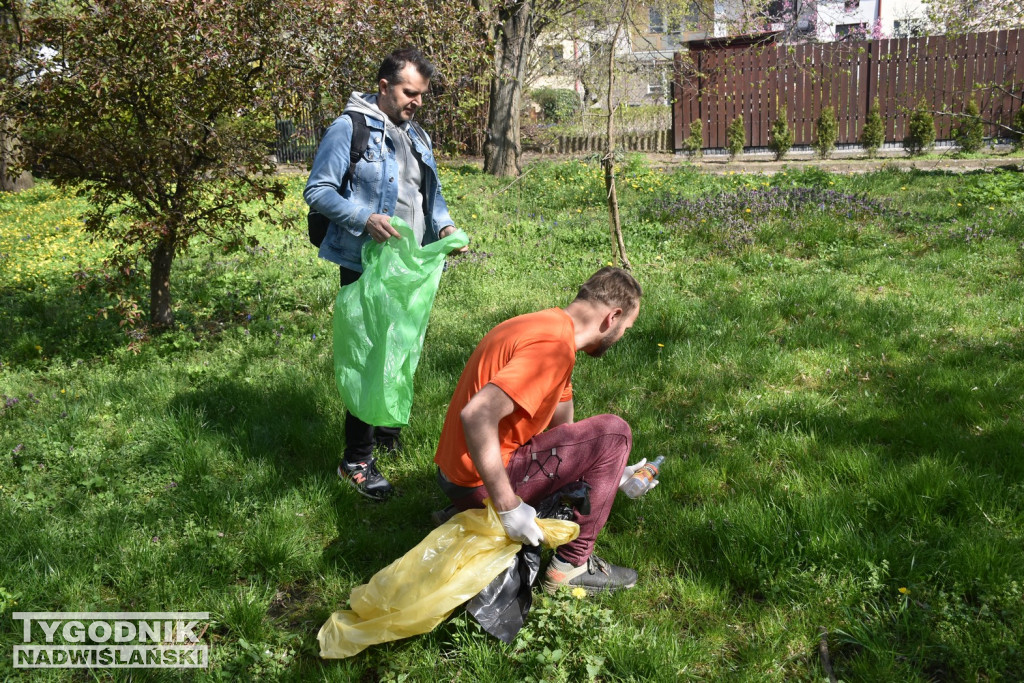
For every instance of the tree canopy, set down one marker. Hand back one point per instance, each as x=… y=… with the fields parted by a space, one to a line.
x=162 y=113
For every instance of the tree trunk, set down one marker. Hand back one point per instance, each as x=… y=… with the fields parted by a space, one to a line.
x=502 y=148
x=161 y=259
x=11 y=180
x=618 y=245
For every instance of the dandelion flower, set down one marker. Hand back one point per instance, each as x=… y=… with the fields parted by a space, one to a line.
x=579 y=593
x=661 y=345
x=904 y=590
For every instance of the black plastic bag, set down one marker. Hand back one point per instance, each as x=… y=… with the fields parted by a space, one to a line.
x=502 y=606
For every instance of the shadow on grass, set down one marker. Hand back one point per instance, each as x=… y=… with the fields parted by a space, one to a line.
x=290 y=438
x=55 y=322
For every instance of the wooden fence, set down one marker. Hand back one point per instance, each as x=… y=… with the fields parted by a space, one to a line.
x=715 y=85
x=657 y=141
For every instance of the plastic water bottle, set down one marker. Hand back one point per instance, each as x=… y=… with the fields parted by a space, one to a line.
x=641 y=480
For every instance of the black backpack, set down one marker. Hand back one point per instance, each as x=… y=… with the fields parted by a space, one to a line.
x=317 y=223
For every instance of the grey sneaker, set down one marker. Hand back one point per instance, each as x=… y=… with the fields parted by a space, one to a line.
x=439 y=517
x=595 y=576
x=366 y=479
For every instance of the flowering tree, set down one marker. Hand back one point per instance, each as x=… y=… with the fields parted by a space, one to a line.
x=970 y=16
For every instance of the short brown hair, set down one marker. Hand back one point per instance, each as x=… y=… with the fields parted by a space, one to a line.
x=391 y=68
x=613 y=287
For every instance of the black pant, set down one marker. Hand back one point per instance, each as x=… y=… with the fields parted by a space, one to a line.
x=360 y=437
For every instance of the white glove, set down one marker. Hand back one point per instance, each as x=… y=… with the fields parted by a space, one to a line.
x=627 y=475
x=630 y=470
x=520 y=524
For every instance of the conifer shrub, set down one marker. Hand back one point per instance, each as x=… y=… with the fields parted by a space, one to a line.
x=781 y=137
x=873 y=135
x=828 y=132
x=920 y=130
x=736 y=136
x=694 y=142
x=970 y=134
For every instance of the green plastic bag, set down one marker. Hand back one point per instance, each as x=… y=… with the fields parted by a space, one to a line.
x=419 y=590
x=380 y=321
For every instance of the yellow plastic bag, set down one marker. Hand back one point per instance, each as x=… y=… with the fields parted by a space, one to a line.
x=419 y=590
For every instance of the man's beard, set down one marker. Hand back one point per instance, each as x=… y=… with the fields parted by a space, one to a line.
x=606 y=343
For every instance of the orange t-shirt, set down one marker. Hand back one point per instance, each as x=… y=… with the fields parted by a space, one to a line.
x=530 y=358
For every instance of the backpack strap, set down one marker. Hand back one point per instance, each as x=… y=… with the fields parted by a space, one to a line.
x=360 y=141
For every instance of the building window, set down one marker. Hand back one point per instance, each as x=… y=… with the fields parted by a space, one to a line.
x=657 y=24
x=851 y=31
x=655 y=87
x=851 y=5
x=692 y=15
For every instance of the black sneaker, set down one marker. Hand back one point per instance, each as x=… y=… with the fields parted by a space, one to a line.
x=596 y=576
x=366 y=479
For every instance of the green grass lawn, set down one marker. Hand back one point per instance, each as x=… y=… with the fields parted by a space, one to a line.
x=832 y=366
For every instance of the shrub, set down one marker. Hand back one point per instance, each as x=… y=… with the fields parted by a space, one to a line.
x=781 y=136
x=1018 y=126
x=828 y=133
x=873 y=134
x=694 y=142
x=970 y=134
x=736 y=136
x=920 y=130
x=558 y=104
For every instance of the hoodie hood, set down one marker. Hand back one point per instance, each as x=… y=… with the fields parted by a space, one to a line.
x=366 y=104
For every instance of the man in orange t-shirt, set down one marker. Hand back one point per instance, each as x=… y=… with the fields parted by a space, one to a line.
x=509 y=433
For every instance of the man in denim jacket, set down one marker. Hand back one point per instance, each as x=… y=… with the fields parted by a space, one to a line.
x=396 y=176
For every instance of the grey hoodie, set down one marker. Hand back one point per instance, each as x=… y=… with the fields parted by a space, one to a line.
x=410 y=171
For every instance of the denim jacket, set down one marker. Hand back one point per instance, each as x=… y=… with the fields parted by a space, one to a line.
x=373 y=189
